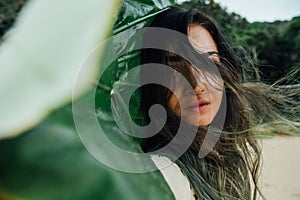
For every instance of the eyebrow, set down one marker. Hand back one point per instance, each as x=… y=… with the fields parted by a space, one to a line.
x=175 y=58
x=212 y=53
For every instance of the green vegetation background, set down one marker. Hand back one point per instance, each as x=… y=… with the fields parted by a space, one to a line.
x=273 y=46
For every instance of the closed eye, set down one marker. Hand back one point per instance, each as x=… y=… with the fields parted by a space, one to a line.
x=212 y=53
x=214 y=56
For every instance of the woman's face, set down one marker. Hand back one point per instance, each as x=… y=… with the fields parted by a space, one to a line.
x=208 y=89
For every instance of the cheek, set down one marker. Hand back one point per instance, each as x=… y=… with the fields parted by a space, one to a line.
x=215 y=83
x=174 y=106
x=217 y=98
x=216 y=87
x=216 y=93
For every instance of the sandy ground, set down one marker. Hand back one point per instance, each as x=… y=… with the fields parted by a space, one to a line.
x=281 y=168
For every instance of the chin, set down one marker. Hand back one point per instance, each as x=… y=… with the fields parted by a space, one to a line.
x=201 y=123
x=204 y=122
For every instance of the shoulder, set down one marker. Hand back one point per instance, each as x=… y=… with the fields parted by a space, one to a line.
x=177 y=181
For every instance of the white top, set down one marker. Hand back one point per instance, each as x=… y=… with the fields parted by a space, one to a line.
x=177 y=181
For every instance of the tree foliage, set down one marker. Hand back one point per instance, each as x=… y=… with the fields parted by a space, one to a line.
x=272 y=46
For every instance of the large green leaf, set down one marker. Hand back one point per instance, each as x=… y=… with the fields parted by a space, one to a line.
x=50 y=162
x=134 y=15
x=42 y=55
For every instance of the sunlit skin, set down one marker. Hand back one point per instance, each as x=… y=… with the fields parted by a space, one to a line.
x=199 y=111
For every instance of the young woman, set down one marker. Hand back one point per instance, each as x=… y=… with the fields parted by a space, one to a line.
x=230 y=170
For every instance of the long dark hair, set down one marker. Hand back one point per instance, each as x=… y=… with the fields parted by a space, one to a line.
x=232 y=166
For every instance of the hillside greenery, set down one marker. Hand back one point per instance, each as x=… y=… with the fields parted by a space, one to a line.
x=272 y=46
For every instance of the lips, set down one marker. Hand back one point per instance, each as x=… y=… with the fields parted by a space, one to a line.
x=199 y=105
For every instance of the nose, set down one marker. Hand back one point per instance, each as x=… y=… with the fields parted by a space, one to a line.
x=198 y=84
x=199 y=88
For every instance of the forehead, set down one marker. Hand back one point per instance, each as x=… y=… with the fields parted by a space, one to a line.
x=201 y=39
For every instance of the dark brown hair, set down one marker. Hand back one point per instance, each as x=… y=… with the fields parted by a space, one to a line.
x=233 y=164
